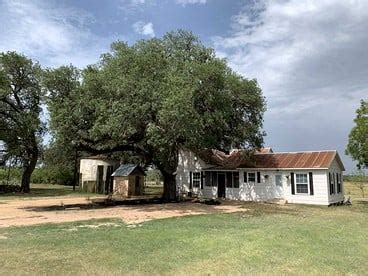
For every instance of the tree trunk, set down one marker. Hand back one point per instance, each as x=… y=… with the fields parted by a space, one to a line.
x=28 y=168
x=169 y=187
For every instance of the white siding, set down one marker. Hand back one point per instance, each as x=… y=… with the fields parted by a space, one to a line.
x=320 y=196
x=88 y=168
x=265 y=190
x=187 y=162
x=335 y=168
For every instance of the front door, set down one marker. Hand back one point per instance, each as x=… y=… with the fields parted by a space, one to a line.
x=221 y=185
x=279 y=191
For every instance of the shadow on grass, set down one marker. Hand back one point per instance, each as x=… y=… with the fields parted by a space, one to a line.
x=98 y=204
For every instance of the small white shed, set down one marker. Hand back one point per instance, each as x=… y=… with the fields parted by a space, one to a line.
x=95 y=174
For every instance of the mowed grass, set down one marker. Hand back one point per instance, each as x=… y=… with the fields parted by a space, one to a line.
x=264 y=238
x=52 y=190
x=46 y=190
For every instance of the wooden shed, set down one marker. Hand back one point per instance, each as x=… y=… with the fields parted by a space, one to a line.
x=128 y=180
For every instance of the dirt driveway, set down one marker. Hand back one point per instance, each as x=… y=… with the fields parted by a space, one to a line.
x=52 y=210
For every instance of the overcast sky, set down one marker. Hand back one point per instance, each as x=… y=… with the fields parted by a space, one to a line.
x=309 y=57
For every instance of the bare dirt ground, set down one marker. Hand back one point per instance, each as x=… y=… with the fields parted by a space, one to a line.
x=52 y=210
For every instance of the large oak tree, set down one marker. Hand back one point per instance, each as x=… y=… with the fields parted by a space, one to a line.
x=154 y=98
x=20 y=99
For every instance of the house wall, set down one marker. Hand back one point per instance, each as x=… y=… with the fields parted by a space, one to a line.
x=336 y=197
x=187 y=162
x=265 y=190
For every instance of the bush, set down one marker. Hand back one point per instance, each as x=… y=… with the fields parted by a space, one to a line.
x=52 y=176
x=154 y=176
x=47 y=175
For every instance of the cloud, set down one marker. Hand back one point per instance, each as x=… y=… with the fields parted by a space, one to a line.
x=311 y=61
x=52 y=34
x=190 y=2
x=144 y=28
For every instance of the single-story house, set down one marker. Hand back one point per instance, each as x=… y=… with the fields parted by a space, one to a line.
x=310 y=177
x=128 y=180
x=95 y=174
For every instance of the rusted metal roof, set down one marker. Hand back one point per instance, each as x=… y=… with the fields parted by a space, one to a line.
x=294 y=160
x=270 y=160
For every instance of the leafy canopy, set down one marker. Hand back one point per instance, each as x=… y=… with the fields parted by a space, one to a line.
x=357 y=147
x=155 y=97
x=20 y=108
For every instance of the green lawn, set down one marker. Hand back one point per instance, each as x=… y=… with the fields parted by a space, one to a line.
x=45 y=190
x=263 y=239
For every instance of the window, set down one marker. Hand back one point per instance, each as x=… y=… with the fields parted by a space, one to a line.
x=208 y=179
x=332 y=183
x=251 y=177
x=301 y=181
x=236 y=179
x=196 y=179
x=278 y=180
x=214 y=179
x=229 y=180
x=338 y=182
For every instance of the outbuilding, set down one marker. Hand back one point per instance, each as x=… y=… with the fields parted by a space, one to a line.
x=128 y=180
x=95 y=174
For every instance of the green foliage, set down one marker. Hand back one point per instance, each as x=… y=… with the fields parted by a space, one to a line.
x=14 y=174
x=155 y=97
x=53 y=175
x=48 y=175
x=20 y=108
x=357 y=147
x=154 y=176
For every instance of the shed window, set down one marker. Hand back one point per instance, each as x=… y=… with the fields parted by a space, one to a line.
x=301 y=181
x=251 y=177
x=196 y=179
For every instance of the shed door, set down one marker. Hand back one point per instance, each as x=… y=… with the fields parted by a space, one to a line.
x=137 y=185
x=279 y=190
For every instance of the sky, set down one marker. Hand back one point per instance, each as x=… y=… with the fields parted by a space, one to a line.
x=310 y=57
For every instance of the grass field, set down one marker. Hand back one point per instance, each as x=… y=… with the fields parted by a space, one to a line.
x=52 y=190
x=45 y=190
x=264 y=238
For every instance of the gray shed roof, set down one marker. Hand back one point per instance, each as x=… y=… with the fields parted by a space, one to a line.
x=128 y=169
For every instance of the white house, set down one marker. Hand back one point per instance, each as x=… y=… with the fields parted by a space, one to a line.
x=310 y=177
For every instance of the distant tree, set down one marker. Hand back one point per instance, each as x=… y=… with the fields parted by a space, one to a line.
x=357 y=147
x=20 y=100
x=154 y=98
